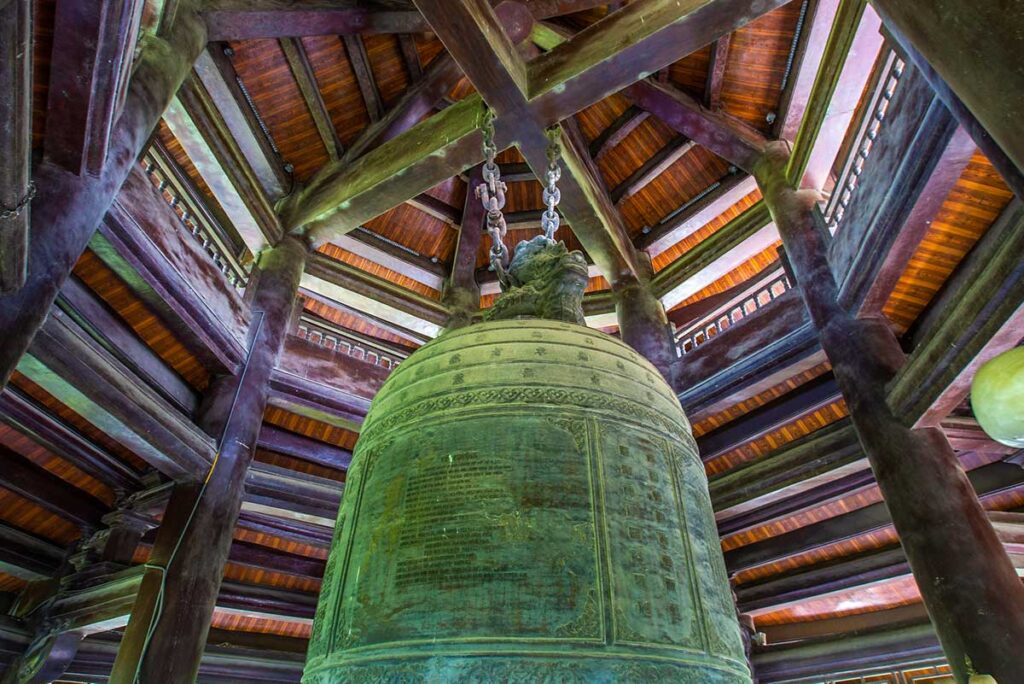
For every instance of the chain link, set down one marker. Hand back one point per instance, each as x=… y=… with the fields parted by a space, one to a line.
x=491 y=194
x=7 y=214
x=549 y=220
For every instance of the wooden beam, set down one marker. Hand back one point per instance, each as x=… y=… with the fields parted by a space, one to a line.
x=823 y=456
x=809 y=397
x=810 y=48
x=695 y=214
x=633 y=42
x=15 y=140
x=748 y=234
x=293 y=491
x=725 y=136
x=170 y=620
x=391 y=255
x=340 y=197
x=27 y=556
x=229 y=20
x=546 y=9
x=972 y=50
x=978 y=314
x=1012 y=174
x=69 y=208
x=69 y=364
x=617 y=131
x=88 y=77
x=716 y=72
x=917 y=157
x=338 y=281
x=305 y=448
x=114 y=335
x=360 y=63
x=31 y=419
x=439 y=209
x=217 y=74
x=302 y=71
x=462 y=290
x=751 y=357
x=49 y=491
x=411 y=57
x=673 y=151
x=141 y=240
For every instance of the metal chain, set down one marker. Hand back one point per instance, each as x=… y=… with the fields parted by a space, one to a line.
x=549 y=220
x=491 y=194
x=7 y=214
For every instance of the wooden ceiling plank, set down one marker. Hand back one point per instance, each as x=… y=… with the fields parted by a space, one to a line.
x=360 y=64
x=15 y=139
x=673 y=151
x=88 y=76
x=617 y=131
x=716 y=72
x=717 y=131
x=215 y=70
x=680 y=224
x=231 y=20
x=302 y=71
x=628 y=45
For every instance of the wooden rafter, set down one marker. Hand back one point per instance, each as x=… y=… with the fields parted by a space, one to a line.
x=617 y=131
x=363 y=71
x=302 y=70
x=15 y=139
x=716 y=72
x=673 y=151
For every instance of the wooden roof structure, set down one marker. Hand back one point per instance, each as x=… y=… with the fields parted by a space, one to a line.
x=356 y=124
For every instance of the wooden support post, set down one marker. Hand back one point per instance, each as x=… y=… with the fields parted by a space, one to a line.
x=462 y=292
x=167 y=631
x=968 y=583
x=68 y=207
x=644 y=326
x=15 y=140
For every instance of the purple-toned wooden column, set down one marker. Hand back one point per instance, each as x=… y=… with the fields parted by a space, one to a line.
x=166 y=634
x=68 y=207
x=462 y=292
x=643 y=324
x=968 y=583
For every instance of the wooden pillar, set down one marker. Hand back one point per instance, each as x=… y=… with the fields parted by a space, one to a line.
x=15 y=139
x=643 y=324
x=969 y=586
x=68 y=207
x=168 y=627
x=462 y=292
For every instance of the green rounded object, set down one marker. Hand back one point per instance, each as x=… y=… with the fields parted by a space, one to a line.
x=526 y=504
x=997 y=397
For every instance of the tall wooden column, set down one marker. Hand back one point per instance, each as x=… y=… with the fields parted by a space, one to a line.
x=462 y=292
x=643 y=324
x=68 y=207
x=166 y=634
x=969 y=586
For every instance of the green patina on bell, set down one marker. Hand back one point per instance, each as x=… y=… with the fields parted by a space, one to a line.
x=526 y=504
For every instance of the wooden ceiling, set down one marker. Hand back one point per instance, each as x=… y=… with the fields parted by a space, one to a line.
x=359 y=78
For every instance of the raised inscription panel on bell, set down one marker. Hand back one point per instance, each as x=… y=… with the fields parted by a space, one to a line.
x=477 y=532
x=651 y=569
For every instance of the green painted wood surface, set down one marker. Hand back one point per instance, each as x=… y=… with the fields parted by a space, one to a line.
x=526 y=504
